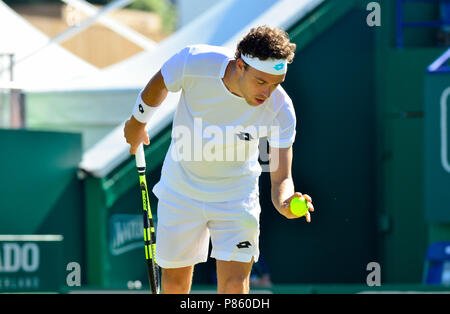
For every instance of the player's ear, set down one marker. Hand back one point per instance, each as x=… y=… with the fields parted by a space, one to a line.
x=240 y=65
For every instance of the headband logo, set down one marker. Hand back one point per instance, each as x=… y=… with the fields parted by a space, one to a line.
x=279 y=66
x=271 y=66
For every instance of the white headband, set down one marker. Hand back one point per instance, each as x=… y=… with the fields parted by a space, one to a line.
x=271 y=66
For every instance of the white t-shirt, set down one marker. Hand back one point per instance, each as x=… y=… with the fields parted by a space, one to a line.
x=213 y=155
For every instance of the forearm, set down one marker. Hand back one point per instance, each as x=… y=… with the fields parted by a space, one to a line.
x=145 y=107
x=155 y=91
x=281 y=191
x=148 y=101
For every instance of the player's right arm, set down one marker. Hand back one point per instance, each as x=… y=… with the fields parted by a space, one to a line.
x=152 y=95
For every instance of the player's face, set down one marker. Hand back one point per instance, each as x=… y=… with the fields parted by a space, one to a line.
x=257 y=86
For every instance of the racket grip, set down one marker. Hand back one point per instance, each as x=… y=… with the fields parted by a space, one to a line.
x=140 y=156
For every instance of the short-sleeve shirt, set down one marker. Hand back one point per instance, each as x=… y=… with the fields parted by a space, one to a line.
x=213 y=155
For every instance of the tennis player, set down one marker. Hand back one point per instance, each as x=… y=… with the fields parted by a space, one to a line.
x=209 y=186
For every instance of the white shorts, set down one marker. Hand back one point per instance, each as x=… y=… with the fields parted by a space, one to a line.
x=185 y=226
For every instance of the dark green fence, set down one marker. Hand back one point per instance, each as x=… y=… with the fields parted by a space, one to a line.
x=40 y=195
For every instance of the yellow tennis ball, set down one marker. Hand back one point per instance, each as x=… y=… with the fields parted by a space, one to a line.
x=299 y=206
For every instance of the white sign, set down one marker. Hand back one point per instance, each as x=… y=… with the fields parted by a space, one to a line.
x=15 y=257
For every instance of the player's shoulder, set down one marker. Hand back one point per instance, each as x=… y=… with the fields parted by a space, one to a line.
x=204 y=50
x=206 y=60
x=280 y=99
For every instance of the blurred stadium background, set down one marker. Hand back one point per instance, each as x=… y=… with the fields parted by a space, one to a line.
x=371 y=146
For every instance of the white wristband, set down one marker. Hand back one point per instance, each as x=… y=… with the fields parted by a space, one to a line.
x=143 y=112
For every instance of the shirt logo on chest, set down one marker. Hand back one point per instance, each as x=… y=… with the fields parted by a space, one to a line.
x=245 y=136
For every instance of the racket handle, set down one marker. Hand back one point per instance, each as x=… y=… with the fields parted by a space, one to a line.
x=140 y=156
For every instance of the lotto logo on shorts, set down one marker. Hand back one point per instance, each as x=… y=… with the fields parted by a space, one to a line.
x=244 y=245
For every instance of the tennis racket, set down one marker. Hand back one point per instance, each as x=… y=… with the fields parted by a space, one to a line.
x=149 y=229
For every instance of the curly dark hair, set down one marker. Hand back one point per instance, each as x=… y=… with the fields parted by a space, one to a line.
x=266 y=42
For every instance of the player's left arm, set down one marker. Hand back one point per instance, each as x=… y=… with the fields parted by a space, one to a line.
x=283 y=190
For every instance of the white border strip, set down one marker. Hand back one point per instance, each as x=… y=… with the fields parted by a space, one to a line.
x=31 y=237
x=444 y=157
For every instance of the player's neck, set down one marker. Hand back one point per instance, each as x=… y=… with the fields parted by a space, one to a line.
x=231 y=78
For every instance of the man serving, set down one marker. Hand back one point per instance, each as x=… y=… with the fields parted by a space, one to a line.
x=228 y=101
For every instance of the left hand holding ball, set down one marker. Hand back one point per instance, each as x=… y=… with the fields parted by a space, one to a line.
x=298 y=205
